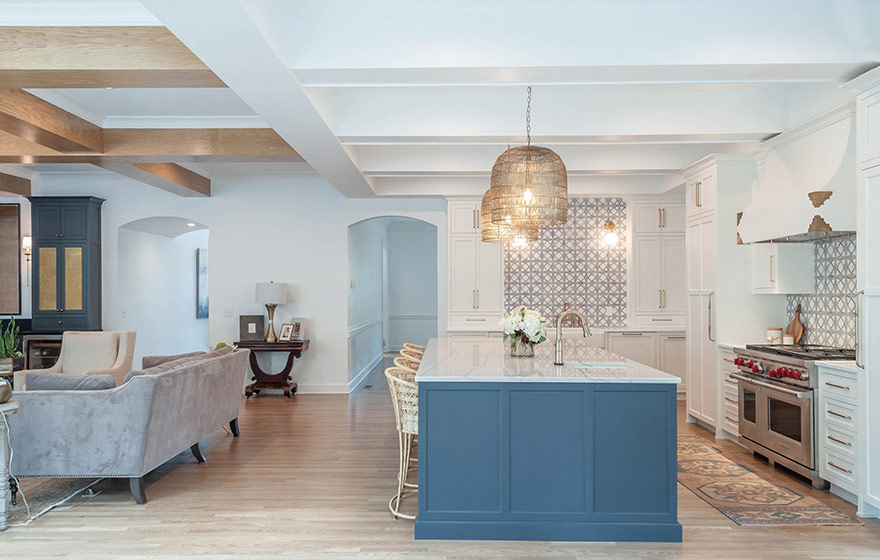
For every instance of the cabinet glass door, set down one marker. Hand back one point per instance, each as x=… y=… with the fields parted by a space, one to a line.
x=73 y=278
x=48 y=275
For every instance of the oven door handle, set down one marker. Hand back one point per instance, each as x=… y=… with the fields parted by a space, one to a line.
x=798 y=394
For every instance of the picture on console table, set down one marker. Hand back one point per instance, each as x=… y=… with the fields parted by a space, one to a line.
x=299 y=330
x=251 y=327
x=286 y=331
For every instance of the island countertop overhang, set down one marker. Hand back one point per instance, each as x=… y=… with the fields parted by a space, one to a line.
x=487 y=360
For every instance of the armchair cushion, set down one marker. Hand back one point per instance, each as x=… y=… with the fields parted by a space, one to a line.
x=82 y=352
x=38 y=381
x=153 y=361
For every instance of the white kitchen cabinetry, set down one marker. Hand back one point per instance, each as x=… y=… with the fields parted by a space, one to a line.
x=672 y=356
x=867 y=90
x=659 y=217
x=729 y=416
x=476 y=273
x=638 y=346
x=838 y=448
x=784 y=268
x=658 y=264
x=721 y=304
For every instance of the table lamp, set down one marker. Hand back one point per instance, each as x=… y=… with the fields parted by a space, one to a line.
x=271 y=294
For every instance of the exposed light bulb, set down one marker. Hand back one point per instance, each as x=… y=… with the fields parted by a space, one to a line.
x=527 y=196
x=611 y=238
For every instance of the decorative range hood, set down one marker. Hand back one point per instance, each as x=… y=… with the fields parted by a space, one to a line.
x=806 y=186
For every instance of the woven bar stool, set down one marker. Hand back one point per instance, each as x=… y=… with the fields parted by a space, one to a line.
x=414 y=346
x=406 y=363
x=414 y=355
x=405 y=398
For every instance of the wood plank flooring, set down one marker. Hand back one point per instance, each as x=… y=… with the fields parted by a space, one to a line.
x=311 y=478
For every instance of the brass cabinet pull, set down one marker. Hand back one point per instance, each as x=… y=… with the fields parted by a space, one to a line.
x=475 y=320
x=711 y=297
x=659 y=299
x=731 y=401
x=631 y=334
x=659 y=217
x=839 y=414
x=727 y=360
x=664 y=292
x=729 y=419
x=664 y=218
x=676 y=338
x=846 y=443
x=478 y=299
x=831 y=464
x=772 y=277
x=661 y=320
x=836 y=386
x=699 y=188
x=473 y=299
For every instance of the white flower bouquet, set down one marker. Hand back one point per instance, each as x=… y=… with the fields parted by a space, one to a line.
x=524 y=328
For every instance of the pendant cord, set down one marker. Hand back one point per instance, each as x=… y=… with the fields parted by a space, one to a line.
x=529 y=116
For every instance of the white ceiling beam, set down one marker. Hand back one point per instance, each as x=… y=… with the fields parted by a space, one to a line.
x=476 y=186
x=835 y=73
x=240 y=55
x=547 y=140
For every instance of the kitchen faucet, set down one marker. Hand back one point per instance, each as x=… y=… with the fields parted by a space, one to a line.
x=558 y=361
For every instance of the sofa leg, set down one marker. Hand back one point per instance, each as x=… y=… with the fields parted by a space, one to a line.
x=197 y=453
x=137 y=489
x=233 y=427
x=13 y=491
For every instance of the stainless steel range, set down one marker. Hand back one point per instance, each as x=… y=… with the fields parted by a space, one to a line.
x=777 y=392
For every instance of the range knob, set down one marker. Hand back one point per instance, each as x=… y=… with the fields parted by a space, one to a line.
x=773 y=372
x=751 y=364
x=756 y=368
x=738 y=361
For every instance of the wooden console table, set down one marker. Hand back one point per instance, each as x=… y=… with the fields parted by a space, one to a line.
x=281 y=380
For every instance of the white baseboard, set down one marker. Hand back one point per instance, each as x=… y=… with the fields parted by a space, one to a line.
x=322 y=389
x=352 y=385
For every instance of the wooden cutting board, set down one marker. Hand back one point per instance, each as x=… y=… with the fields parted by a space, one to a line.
x=795 y=329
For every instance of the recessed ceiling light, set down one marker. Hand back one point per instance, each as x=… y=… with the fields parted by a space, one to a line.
x=109 y=87
x=191 y=224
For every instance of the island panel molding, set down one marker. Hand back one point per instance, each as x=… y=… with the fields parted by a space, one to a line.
x=570 y=266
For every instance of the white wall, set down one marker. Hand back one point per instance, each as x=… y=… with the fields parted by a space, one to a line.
x=157 y=292
x=412 y=279
x=365 y=242
x=291 y=229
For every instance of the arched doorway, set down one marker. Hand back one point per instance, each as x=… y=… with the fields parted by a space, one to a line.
x=393 y=283
x=163 y=284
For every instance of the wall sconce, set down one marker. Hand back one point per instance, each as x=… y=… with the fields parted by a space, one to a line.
x=26 y=244
x=611 y=237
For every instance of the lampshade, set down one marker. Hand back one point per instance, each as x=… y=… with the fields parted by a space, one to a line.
x=271 y=293
x=499 y=233
x=529 y=188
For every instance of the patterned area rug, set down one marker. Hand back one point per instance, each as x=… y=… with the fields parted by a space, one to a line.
x=742 y=495
x=42 y=493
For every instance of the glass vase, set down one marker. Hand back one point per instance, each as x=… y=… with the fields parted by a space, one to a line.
x=520 y=349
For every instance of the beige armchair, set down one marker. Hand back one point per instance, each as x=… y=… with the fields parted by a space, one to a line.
x=90 y=352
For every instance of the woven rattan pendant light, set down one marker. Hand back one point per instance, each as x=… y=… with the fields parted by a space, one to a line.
x=499 y=233
x=529 y=184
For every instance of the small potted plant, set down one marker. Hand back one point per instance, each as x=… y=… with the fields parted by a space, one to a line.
x=10 y=358
x=523 y=328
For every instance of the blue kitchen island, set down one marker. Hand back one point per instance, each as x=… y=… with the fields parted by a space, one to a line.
x=520 y=449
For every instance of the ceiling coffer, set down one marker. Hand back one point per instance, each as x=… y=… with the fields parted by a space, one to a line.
x=806 y=186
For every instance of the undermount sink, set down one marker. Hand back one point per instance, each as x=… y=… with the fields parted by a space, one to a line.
x=598 y=365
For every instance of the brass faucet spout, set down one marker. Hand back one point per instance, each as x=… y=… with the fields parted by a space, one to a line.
x=559 y=345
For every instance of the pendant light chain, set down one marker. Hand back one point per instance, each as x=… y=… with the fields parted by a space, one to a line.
x=529 y=117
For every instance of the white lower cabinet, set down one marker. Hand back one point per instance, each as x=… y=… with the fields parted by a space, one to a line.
x=837 y=412
x=729 y=416
x=666 y=351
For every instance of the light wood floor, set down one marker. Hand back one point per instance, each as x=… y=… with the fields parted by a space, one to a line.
x=311 y=477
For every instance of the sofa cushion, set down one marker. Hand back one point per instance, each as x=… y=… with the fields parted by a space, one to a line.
x=153 y=361
x=83 y=352
x=179 y=361
x=68 y=382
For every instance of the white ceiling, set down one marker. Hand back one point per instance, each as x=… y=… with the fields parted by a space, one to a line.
x=167 y=226
x=415 y=98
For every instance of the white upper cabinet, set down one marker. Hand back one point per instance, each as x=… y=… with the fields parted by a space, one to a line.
x=464 y=217
x=673 y=275
x=659 y=218
x=701 y=194
x=784 y=268
x=659 y=275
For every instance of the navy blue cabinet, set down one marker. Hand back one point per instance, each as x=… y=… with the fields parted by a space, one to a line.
x=66 y=263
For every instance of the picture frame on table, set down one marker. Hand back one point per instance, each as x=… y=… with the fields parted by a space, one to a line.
x=251 y=327
x=299 y=329
x=286 y=332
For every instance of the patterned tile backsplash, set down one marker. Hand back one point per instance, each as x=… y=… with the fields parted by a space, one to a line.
x=829 y=315
x=570 y=264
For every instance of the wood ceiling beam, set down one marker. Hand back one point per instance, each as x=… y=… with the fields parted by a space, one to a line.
x=166 y=176
x=94 y=57
x=13 y=185
x=164 y=146
x=27 y=116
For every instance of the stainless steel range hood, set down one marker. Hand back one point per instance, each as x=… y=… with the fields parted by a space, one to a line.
x=806 y=186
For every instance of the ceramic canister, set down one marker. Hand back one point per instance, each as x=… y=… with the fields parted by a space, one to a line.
x=774 y=336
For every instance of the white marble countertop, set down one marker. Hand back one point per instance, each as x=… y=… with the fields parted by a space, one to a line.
x=488 y=360
x=841 y=364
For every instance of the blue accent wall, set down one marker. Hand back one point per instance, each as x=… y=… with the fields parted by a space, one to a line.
x=547 y=461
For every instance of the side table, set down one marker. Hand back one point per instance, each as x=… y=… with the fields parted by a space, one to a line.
x=264 y=380
x=6 y=409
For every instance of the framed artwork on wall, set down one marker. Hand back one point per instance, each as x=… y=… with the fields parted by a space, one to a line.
x=201 y=283
x=10 y=259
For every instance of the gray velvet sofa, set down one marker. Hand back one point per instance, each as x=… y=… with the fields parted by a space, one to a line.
x=129 y=430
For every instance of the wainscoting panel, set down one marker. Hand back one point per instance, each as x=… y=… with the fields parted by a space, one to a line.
x=364 y=350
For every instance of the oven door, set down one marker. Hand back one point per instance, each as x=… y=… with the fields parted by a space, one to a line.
x=790 y=423
x=751 y=417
